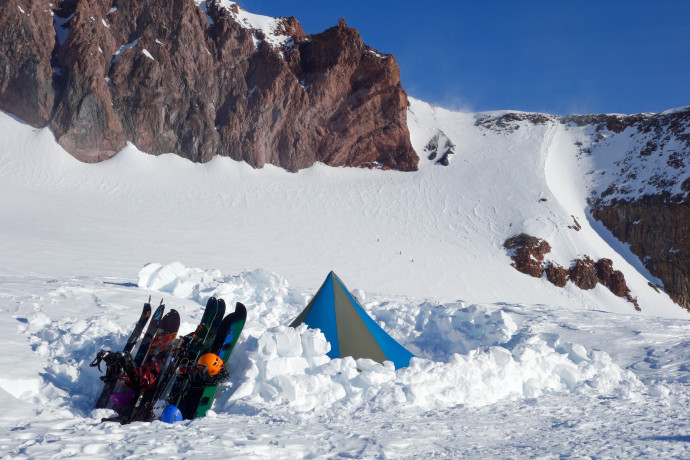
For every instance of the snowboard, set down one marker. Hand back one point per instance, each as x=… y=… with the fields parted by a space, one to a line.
x=201 y=342
x=173 y=379
x=198 y=400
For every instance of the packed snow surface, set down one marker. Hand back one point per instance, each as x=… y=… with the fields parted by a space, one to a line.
x=506 y=365
x=489 y=380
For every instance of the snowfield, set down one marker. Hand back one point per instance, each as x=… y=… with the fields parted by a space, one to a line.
x=490 y=381
x=507 y=366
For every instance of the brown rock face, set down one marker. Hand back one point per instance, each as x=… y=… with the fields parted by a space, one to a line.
x=617 y=284
x=528 y=257
x=529 y=252
x=85 y=121
x=170 y=77
x=604 y=270
x=645 y=199
x=583 y=274
x=658 y=232
x=557 y=275
x=27 y=38
x=614 y=280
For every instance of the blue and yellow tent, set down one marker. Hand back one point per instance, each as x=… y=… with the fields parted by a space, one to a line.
x=348 y=328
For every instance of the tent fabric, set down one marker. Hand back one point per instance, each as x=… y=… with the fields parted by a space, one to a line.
x=348 y=328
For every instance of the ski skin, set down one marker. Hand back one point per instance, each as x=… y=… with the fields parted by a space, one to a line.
x=183 y=354
x=129 y=346
x=199 y=400
x=161 y=345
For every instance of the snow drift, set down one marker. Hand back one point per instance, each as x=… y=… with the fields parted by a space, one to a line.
x=469 y=354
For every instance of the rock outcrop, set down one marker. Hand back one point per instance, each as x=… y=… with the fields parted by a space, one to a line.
x=439 y=148
x=645 y=201
x=528 y=254
x=582 y=273
x=27 y=39
x=201 y=80
x=658 y=232
x=557 y=275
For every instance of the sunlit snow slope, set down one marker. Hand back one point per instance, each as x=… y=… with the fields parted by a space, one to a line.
x=501 y=358
x=436 y=233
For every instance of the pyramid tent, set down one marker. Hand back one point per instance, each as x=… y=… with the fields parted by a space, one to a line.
x=348 y=328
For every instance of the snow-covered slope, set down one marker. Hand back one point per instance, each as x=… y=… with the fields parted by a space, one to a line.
x=436 y=233
x=502 y=357
x=526 y=177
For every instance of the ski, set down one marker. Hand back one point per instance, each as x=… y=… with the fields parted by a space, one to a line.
x=143 y=349
x=109 y=381
x=199 y=399
x=144 y=379
x=134 y=337
x=184 y=354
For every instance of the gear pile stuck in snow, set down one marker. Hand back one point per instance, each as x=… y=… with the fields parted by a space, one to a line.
x=170 y=378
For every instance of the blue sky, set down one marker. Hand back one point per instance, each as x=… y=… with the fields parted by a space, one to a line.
x=542 y=56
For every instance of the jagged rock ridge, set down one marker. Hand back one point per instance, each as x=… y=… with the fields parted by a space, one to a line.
x=201 y=78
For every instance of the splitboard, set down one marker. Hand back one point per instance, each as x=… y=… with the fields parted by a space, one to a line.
x=174 y=379
x=199 y=398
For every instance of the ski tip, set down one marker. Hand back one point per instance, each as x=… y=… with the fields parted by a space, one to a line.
x=149 y=299
x=239 y=307
x=161 y=302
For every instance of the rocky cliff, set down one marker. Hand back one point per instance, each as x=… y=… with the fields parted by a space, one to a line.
x=644 y=200
x=201 y=78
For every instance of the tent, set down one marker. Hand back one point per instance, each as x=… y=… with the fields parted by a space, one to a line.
x=348 y=328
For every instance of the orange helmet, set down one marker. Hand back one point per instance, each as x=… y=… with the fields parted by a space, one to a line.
x=211 y=362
